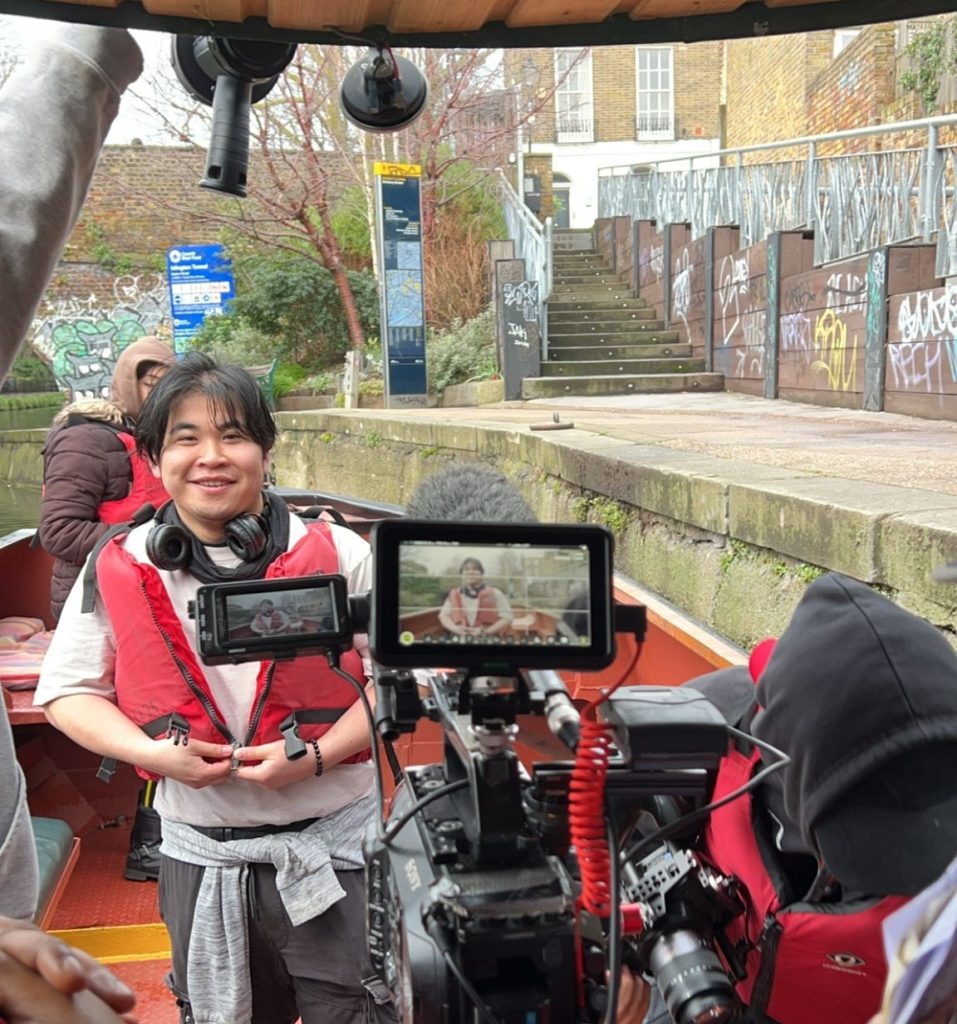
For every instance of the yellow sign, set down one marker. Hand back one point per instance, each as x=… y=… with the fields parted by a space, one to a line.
x=397 y=170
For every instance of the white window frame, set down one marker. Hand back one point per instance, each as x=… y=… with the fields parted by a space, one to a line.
x=574 y=95
x=843 y=37
x=654 y=93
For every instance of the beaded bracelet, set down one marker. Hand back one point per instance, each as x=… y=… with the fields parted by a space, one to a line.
x=319 y=765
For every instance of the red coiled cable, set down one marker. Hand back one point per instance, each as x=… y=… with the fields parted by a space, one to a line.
x=586 y=816
x=586 y=800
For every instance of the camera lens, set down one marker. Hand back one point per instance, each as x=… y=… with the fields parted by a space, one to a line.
x=692 y=981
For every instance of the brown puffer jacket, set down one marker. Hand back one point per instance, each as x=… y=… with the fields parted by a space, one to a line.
x=84 y=464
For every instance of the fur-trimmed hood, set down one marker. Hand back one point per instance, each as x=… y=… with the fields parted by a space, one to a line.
x=101 y=409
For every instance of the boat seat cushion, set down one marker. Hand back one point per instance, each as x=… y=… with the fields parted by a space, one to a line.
x=14 y=629
x=54 y=842
x=20 y=662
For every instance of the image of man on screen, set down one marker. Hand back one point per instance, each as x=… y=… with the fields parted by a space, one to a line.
x=474 y=608
x=269 y=620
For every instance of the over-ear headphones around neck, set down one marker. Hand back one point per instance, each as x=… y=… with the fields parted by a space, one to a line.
x=169 y=545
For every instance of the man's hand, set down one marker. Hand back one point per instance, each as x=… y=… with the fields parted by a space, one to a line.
x=49 y=964
x=634 y=998
x=274 y=770
x=195 y=763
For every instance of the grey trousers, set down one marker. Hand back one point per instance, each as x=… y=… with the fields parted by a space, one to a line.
x=319 y=971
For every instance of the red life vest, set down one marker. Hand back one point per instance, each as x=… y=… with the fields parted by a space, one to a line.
x=158 y=675
x=146 y=489
x=486 y=613
x=818 y=963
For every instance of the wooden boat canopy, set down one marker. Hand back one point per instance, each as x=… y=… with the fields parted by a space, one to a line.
x=480 y=23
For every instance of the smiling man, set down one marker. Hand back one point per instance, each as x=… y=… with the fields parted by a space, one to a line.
x=261 y=882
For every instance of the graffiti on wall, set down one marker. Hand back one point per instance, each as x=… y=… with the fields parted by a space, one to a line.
x=681 y=290
x=651 y=263
x=80 y=340
x=925 y=356
x=822 y=328
x=740 y=317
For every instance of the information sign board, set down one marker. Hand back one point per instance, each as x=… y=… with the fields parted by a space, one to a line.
x=200 y=284
x=402 y=285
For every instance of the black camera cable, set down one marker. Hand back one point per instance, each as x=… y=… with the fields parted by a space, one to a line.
x=333 y=658
x=614 y=925
x=481 y=1007
x=435 y=794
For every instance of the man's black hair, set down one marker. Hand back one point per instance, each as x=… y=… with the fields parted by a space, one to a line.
x=230 y=390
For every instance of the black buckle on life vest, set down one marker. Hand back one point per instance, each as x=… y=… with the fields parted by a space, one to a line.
x=172 y=725
x=295 y=747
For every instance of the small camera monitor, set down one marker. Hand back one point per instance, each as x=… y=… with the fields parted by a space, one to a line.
x=265 y=619
x=478 y=595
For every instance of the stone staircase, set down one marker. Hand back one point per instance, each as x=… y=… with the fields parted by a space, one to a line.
x=603 y=341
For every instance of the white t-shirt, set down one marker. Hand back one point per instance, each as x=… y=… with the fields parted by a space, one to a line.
x=81 y=659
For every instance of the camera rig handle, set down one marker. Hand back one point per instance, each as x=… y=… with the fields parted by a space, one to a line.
x=478 y=714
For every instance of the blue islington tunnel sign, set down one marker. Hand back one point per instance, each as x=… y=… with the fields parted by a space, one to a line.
x=200 y=284
x=399 y=215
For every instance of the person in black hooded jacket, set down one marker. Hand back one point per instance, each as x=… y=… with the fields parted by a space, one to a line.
x=862 y=695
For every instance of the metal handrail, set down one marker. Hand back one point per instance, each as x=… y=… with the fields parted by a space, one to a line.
x=533 y=243
x=804 y=140
x=852 y=202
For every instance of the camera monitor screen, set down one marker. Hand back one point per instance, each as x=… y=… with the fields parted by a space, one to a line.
x=241 y=620
x=474 y=594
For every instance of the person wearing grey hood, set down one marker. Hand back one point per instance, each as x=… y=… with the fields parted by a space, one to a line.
x=92 y=476
x=862 y=696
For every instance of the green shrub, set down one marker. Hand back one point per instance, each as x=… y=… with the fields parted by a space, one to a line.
x=463 y=352
x=286 y=377
x=289 y=308
x=31 y=370
x=317 y=383
x=44 y=400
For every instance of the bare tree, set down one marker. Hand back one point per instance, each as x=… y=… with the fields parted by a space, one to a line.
x=306 y=157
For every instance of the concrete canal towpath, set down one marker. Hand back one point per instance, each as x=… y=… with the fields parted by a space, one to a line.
x=724 y=504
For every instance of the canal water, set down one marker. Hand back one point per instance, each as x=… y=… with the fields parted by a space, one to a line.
x=20 y=504
x=19 y=507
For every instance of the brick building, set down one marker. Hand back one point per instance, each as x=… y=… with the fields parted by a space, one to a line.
x=794 y=86
x=610 y=106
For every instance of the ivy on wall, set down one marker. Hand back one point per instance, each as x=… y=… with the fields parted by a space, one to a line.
x=931 y=57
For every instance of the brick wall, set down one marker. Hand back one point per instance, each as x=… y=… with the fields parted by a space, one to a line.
x=613 y=85
x=144 y=199
x=697 y=82
x=855 y=90
x=767 y=86
x=698 y=71
x=790 y=86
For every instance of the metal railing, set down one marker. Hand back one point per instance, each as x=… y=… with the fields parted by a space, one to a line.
x=533 y=243
x=574 y=126
x=851 y=202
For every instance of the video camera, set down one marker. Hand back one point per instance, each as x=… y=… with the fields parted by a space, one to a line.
x=496 y=893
